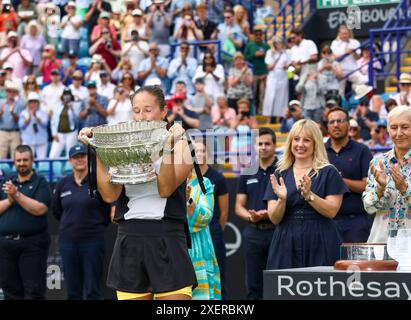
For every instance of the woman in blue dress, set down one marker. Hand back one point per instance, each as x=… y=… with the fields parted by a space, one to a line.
x=304 y=196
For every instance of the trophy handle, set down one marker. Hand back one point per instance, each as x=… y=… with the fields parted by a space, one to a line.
x=90 y=141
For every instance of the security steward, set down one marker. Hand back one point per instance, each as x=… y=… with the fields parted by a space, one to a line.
x=24 y=240
x=82 y=223
x=251 y=207
x=352 y=160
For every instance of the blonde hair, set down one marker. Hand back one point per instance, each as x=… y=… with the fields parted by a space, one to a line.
x=244 y=19
x=320 y=158
x=399 y=112
x=343 y=26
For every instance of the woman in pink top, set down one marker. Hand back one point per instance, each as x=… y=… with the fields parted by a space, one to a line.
x=221 y=115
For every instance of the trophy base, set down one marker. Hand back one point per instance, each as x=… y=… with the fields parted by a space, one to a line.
x=364 y=265
x=137 y=175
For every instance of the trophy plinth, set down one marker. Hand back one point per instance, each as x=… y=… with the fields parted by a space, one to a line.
x=365 y=257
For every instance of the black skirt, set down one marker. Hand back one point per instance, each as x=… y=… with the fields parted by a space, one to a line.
x=151 y=256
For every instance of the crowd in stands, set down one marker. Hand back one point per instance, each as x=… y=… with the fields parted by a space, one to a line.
x=70 y=64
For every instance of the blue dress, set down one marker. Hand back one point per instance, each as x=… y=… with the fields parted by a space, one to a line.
x=305 y=238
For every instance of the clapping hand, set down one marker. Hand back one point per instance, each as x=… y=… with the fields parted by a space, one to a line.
x=279 y=188
x=379 y=174
x=10 y=189
x=380 y=177
x=305 y=186
x=399 y=179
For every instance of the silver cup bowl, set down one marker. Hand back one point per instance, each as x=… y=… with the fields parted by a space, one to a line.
x=130 y=149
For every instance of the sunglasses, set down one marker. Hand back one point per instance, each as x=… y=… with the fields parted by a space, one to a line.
x=77 y=78
x=364 y=103
x=405 y=84
x=326 y=52
x=184 y=48
x=227 y=17
x=31 y=82
x=354 y=129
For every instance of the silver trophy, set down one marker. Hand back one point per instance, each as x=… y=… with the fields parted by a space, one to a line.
x=129 y=149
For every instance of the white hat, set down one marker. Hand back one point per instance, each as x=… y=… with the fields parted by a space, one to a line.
x=405 y=78
x=8 y=65
x=71 y=4
x=33 y=96
x=12 y=34
x=361 y=91
x=294 y=102
x=6 y=2
x=353 y=123
x=153 y=82
x=137 y=12
x=12 y=85
x=49 y=5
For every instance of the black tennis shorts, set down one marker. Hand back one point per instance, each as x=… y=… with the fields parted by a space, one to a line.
x=151 y=256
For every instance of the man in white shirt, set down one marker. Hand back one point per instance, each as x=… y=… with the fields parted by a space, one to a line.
x=303 y=53
x=136 y=50
x=403 y=98
x=182 y=68
x=79 y=91
x=105 y=88
x=51 y=94
x=345 y=44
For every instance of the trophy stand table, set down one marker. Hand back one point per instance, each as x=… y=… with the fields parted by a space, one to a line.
x=326 y=283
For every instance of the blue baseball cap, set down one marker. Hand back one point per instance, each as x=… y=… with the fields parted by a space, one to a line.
x=77 y=149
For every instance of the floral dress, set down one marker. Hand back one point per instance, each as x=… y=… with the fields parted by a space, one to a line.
x=393 y=210
x=202 y=252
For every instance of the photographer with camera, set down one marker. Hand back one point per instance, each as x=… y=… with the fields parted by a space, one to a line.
x=98 y=17
x=71 y=24
x=136 y=50
x=64 y=124
x=119 y=108
x=108 y=47
x=9 y=20
x=292 y=115
x=138 y=23
x=20 y=58
x=48 y=63
x=158 y=24
x=330 y=70
x=243 y=123
x=33 y=126
x=186 y=29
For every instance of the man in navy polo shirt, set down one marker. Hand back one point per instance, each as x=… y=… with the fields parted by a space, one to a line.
x=352 y=160
x=81 y=231
x=24 y=240
x=251 y=207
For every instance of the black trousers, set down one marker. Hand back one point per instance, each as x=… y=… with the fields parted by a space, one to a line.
x=23 y=265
